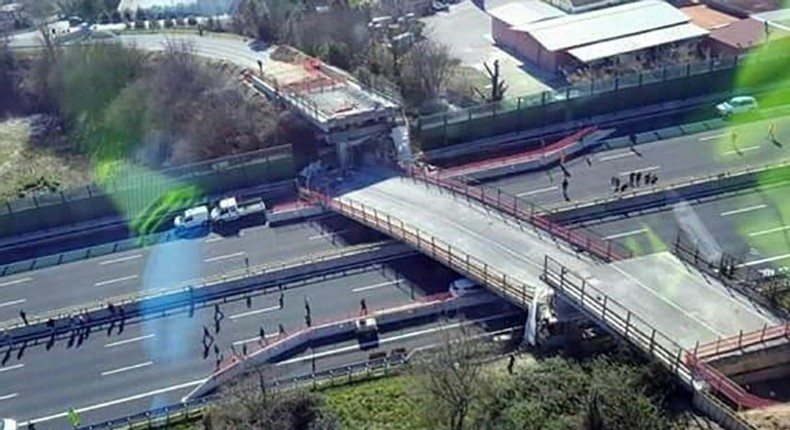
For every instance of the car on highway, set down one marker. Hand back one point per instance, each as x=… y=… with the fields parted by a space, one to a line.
x=439 y=6
x=737 y=105
x=8 y=424
x=192 y=218
x=464 y=286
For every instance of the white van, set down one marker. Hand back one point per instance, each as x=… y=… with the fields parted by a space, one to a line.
x=737 y=105
x=464 y=286
x=192 y=218
x=7 y=424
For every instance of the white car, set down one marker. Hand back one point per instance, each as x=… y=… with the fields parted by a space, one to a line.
x=7 y=424
x=464 y=286
x=191 y=218
x=736 y=105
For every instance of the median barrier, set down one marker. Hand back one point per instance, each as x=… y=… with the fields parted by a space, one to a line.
x=693 y=188
x=190 y=294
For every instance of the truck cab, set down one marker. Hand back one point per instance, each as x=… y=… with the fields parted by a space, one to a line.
x=192 y=218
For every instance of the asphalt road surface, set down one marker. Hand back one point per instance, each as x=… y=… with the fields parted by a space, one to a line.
x=751 y=225
x=155 y=362
x=670 y=160
x=168 y=264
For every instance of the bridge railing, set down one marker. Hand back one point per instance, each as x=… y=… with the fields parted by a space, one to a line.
x=618 y=319
x=742 y=340
x=435 y=248
x=529 y=212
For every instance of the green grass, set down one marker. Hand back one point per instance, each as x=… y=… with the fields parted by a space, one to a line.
x=380 y=404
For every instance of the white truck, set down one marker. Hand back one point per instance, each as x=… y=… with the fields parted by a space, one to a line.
x=228 y=209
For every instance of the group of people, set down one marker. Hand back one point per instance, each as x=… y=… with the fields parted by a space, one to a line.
x=635 y=179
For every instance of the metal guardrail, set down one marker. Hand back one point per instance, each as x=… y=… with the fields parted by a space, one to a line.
x=624 y=323
x=186 y=288
x=531 y=213
x=429 y=245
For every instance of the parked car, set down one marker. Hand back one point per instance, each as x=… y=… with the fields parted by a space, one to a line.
x=440 y=6
x=7 y=424
x=464 y=286
x=737 y=105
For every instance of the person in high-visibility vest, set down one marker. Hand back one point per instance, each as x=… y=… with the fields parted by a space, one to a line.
x=74 y=418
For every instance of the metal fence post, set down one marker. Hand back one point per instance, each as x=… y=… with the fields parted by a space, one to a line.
x=603 y=310
x=652 y=340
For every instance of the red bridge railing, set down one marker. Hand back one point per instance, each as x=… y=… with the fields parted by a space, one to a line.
x=743 y=340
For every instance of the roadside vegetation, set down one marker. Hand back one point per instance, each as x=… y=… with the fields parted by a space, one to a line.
x=99 y=106
x=458 y=387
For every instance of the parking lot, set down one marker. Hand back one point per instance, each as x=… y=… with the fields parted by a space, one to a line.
x=466 y=29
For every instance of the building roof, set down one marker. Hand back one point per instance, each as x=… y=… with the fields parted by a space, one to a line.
x=525 y=12
x=744 y=8
x=637 y=42
x=571 y=31
x=708 y=18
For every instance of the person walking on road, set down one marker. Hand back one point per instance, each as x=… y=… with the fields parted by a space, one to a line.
x=772 y=132
x=363 y=307
x=734 y=139
x=282 y=300
x=565 y=189
x=23 y=316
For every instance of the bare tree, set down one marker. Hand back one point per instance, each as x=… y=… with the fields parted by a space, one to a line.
x=452 y=378
x=426 y=70
x=252 y=402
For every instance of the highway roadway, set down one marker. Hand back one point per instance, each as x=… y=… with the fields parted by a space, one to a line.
x=751 y=225
x=168 y=264
x=670 y=160
x=155 y=362
x=137 y=270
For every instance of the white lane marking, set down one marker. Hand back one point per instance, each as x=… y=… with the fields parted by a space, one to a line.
x=626 y=234
x=255 y=312
x=373 y=287
x=121 y=259
x=134 y=339
x=127 y=368
x=18 y=281
x=224 y=257
x=715 y=136
x=646 y=169
x=665 y=300
x=616 y=156
x=765 y=260
x=769 y=231
x=12 y=303
x=14 y=367
x=538 y=191
x=744 y=149
x=118 y=401
x=253 y=339
x=116 y=280
x=743 y=210
x=9 y=396
x=328 y=233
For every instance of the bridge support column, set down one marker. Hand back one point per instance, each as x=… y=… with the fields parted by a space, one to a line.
x=531 y=326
